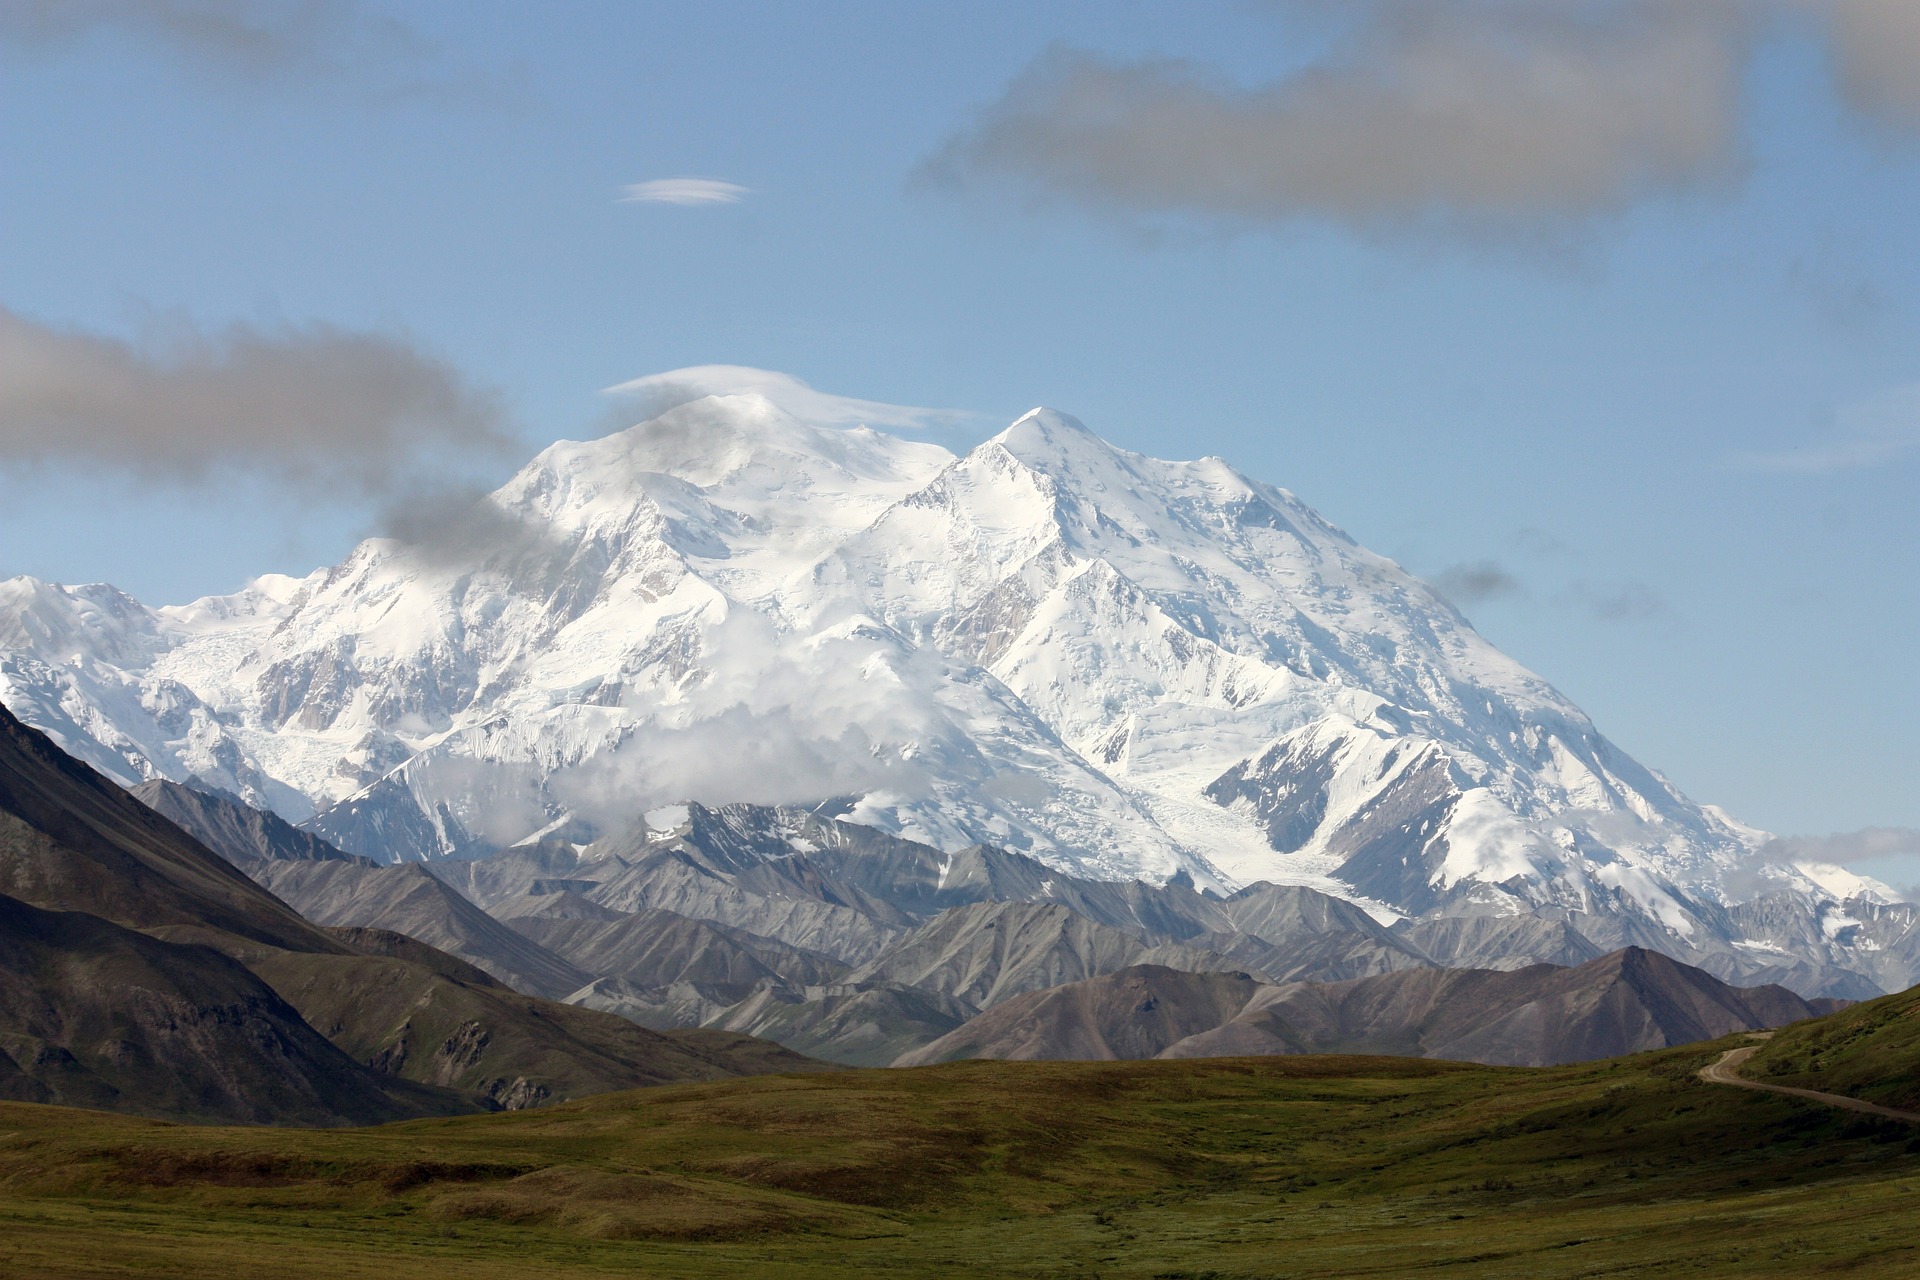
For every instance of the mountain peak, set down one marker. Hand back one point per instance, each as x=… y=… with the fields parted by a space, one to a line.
x=1114 y=664
x=1044 y=436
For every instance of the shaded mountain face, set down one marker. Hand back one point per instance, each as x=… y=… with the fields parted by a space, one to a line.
x=846 y=943
x=992 y=951
x=232 y=828
x=330 y=887
x=1622 y=1003
x=70 y=840
x=141 y=971
x=96 y=1015
x=1135 y=1012
x=1121 y=667
x=410 y=900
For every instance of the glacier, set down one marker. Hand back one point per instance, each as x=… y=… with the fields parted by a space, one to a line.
x=1122 y=666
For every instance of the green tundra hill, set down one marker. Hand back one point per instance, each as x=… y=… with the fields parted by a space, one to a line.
x=1869 y=1050
x=1223 y=1168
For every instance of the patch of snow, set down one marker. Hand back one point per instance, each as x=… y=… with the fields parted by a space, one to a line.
x=667 y=819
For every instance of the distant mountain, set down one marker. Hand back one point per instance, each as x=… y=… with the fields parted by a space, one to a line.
x=232 y=828
x=1541 y=1015
x=141 y=971
x=330 y=887
x=1268 y=969
x=992 y=951
x=1120 y=667
x=410 y=900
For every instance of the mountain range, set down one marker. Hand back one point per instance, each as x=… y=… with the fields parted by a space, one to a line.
x=140 y=971
x=1117 y=668
x=986 y=953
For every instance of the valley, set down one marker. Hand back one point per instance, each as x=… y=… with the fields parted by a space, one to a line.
x=1328 y=1166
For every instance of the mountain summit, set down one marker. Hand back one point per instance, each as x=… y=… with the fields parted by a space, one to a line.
x=1125 y=667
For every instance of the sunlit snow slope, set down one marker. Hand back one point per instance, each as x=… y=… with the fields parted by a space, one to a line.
x=1124 y=666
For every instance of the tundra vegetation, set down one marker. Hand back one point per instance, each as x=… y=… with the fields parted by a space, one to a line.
x=1251 y=1167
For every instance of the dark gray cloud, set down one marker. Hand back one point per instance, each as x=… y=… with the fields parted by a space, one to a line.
x=1619 y=601
x=1876 y=53
x=1470 y=114
x=1477 y=583
x=260 y=45
x=327 y=408
x=253 y=38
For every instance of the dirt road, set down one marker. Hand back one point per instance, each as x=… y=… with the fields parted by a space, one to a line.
x=1724 y=1072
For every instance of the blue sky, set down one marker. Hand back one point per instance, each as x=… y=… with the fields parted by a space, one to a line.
x=1658 y=437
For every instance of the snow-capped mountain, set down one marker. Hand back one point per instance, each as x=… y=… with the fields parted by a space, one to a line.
x=1123 y=666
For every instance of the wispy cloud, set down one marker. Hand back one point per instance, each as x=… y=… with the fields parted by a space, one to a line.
x=1870 y=432
x=264 y=46
x=1478 y=582
x=324 y=407
x=683 y=191
x=657 y=393
x=1847 y=847
x=1481 y=582
x=1890 y=855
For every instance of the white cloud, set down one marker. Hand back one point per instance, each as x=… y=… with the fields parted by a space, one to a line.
x=1880 y=429
x=662 y=391
x=683 y=191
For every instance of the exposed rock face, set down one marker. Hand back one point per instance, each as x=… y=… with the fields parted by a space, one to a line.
x=992 y=951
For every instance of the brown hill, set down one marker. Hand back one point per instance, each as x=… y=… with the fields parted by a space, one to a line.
x=96 y=1015
x=70 y=841
x=1134 y=1013
x=1625 y=1002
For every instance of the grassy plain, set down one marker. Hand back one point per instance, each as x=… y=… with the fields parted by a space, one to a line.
x=1267 y=1167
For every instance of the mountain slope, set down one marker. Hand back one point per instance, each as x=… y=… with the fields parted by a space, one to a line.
x=96 y=1015
x=992 y=951
x=233 y=828
x=1622 y=1003
x=76 y=845
x=1136 y=1012
x=329 y=887
x=72 y=841
x=411 y=900
x=1120 y=667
